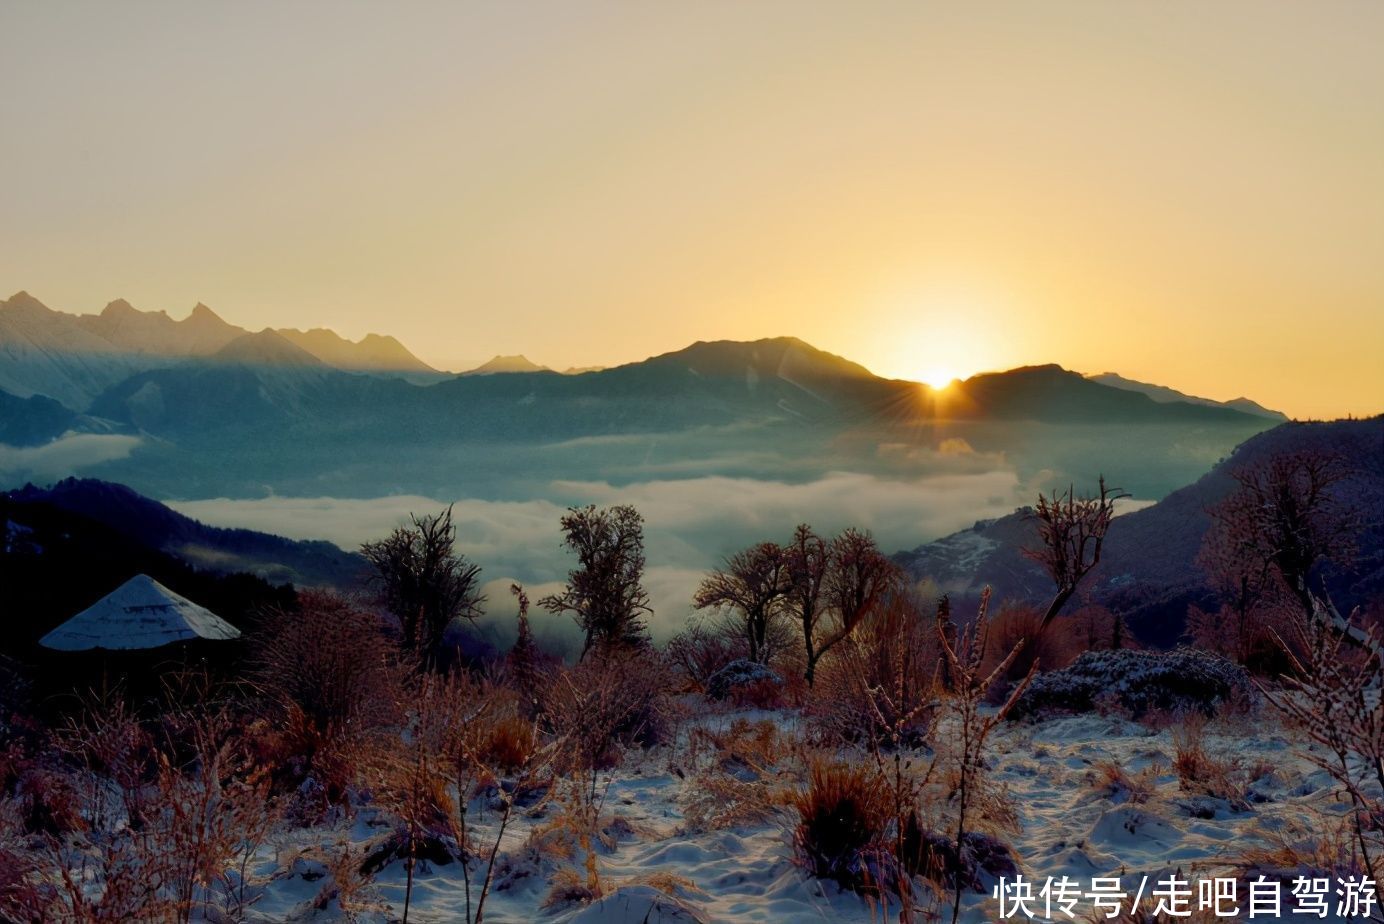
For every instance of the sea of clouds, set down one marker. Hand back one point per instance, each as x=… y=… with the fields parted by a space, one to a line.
x=690 y=523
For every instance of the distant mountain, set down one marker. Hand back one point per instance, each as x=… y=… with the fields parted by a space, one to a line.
x=1148 y=571
x=151 y=524
x=267 y=348
x=73 y=358
x=506 y=364
x=38 y=419
x=372 y=353
x=725 y=383
x=1164 y=395
x=154 y=333
x=46 y=352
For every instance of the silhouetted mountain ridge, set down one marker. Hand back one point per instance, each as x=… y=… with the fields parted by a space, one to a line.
x=1165 y=395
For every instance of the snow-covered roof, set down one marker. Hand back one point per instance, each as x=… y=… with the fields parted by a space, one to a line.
x=141 y=613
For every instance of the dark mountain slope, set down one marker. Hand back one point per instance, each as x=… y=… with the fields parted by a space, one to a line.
x=54 y=563
x=1149 y=572
x=1164 y=395
x=34 y=420
x=150 y=524
x=1051 y=393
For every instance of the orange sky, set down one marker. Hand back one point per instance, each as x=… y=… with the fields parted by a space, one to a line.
x=1191 y=194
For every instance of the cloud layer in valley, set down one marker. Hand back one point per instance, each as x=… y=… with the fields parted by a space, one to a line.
x=69 y=453
x=689 y=523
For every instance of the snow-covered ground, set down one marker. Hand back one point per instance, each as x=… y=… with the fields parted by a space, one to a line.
x=1070 y=823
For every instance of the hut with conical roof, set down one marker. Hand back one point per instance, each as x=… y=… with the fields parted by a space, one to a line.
x=134 y=636
x=138 y=615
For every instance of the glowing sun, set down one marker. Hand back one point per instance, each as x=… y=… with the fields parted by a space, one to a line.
x=936 y=376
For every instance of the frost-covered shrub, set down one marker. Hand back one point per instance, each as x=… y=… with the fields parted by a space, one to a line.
x=738 y=674
x=1138 y=681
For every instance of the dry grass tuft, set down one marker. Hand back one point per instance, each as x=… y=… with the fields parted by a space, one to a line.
x=721 y=802
x=510 y=744
x=754 y=746
x=739 y=774
x=1112 y=780
x=842 y=817
x=1200 y=772
x=667 y=883
x=25 y=896
x=1050 y=648
x=568 y=887
x=1323 y=849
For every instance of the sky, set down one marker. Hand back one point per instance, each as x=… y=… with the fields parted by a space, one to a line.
x=1189 y=194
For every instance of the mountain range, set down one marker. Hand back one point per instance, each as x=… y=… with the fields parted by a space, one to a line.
x=72 y=358
x=208 y=409
x=770 y=408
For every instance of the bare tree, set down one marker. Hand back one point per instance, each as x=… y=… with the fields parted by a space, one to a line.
x=859 y=579
x=699 y=651
x=808 y=561
x=425 y=582
x=752 y=584
x=1281 y=521
x=1071 y=531
x=1241 y=580
x=604 y=593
